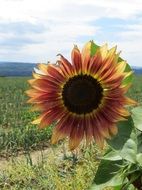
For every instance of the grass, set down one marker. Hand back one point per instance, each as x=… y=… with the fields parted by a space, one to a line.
x=135 y=91
x=18 y=135
x=52 y=172
x=16 y=131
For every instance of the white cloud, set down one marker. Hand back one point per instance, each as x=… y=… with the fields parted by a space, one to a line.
x=120 y=9
x=30 y=10
x=61 y=24
x=131 y=37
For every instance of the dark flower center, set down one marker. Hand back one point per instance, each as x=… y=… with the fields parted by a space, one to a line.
x=82 y=94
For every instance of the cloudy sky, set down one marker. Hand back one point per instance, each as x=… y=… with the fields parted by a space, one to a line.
x=37 y=30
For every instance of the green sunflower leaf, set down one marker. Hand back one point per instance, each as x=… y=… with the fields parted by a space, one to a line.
x=139 y=158
x=129 y=151
x=124 y=131
x=94 y=48
x=112 y=155
x=118 y=187
x=108 y=174
x=139 y=139
x=116 y=182
x=137 y=117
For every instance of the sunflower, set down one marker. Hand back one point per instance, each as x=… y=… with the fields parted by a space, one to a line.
x=86 y=98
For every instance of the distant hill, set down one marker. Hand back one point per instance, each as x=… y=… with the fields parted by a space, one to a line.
x=16 y=68
x=25 y=69
x=137 y=70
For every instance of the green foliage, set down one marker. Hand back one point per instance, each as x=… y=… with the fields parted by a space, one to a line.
x=124 y=132
x=139 y=139
x=16 y=131
x=106 y=171
x=111 y=155
x=120 y=168
x=129 y=151
x=136 y=91
x=137 y=117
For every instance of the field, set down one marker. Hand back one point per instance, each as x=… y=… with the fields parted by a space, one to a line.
x=27 y=159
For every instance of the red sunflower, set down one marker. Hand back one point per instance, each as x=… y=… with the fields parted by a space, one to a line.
x=86 y=98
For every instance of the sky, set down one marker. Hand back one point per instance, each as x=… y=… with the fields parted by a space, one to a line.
x=38 y=30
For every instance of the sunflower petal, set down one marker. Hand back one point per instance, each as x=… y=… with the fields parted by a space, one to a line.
x=62 y=129
x=43 y=67
x=76 y=134
x=76 y=59
x=113 y=129
x=55 y=72
x=88 y=129
x=86 y=56
x=104 y=50
x=129 y=101
x=66 y=66
x=121 y=66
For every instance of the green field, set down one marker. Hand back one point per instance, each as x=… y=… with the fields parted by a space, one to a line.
x=55 y=170
x=16 y=131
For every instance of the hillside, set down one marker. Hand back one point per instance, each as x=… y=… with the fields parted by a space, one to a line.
x=25 y=69
x=16 y=69
x=137 y=70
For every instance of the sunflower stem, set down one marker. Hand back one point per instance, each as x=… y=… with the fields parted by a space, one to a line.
x=64 y=151
x=74 y=157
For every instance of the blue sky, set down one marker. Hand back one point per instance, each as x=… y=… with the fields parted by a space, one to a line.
x=37 y=30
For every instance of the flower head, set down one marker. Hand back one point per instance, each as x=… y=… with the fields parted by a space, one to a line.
x=86 y=98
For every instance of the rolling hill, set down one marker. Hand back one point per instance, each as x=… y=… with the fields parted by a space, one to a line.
x=16 y=68
x=25 y=69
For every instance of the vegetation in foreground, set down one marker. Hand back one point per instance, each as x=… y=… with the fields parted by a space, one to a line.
x=52 y=172
x=18 y=135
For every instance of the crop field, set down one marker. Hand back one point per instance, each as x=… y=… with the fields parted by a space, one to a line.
x=27 y=159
